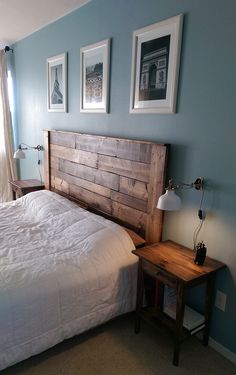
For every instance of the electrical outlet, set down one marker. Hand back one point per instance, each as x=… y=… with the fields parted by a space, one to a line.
x=220 y=300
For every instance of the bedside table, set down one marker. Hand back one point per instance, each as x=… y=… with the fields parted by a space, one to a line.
x=172 y=265
x=22 y=187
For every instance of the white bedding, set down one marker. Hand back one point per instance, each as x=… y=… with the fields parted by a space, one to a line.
x=63 y=270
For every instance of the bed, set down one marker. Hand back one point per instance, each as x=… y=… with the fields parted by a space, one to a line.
x=65 y=252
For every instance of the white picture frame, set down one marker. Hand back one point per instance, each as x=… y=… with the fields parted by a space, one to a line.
x=57 y=83
x=155 y=67
x=94 y=77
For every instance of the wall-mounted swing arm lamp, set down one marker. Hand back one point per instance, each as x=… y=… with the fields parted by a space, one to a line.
x=170 y=201
x=20 y=154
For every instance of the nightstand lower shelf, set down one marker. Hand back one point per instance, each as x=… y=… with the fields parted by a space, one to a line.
x=155 y=317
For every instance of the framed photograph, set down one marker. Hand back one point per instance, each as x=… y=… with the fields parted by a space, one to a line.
x=57 y=83
x=155 y=67
x=94 y=77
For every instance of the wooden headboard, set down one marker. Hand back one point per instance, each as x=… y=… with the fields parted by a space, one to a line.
x=119 y=178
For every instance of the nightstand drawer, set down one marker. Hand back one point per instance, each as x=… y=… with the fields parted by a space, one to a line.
x=159 y=274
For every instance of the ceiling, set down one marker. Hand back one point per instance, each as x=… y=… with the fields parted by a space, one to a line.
x=20 y=18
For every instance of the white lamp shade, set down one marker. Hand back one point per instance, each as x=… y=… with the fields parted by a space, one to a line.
x=19 y=154
x=169 y=201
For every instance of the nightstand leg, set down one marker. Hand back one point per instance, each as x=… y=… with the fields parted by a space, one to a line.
x=14 y=195
x=208 y=307
x=139 y=302
x=180 y=304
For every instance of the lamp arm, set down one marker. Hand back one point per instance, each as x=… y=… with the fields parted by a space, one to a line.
x=198 y=184
x=27 y=147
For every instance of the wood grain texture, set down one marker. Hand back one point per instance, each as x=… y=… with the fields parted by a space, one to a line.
x=155 y=189
x=134 y=188
x=47 y=160
x=77 y=156
x=96 y=201
x=177 y=260
x=97 y=144
x=123 y=167
x=119 y=178
x=65 y=139
x=137 y=151
x=91 y=186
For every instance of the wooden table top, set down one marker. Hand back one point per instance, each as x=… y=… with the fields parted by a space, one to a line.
x=177 y=260
x=26 y=183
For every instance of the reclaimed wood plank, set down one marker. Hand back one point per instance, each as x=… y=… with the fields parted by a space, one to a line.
x=97 y=144
x=91 y=186
x=91 y=174
x=54 y=163
x=134 y=188
x=65 y=139
x=130 y=215
x=133 y=150
x=92 y=199
x=73 y=199
x=129 y=201
x=46 y=140
x=59 y=184
x=122 y=167
x=77 y=156
x=155 y=189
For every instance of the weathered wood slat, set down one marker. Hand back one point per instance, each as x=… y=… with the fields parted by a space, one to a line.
x=92 y=199
x=134 y=188
x=59 y=184
x=130 y=215
x=97 y=144
x=46 y=140
x=54 y=163
x=73 y=199
x=155 y=189
x=122 y=167
x=65 y=139
x=137 y=151
x=91 y=186
x=129 y=201
x=91 y=174
x=77 y=156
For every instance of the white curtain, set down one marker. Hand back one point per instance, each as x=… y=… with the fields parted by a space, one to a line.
x=7 y=163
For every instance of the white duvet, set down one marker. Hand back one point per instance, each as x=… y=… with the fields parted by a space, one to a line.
x=63 y=270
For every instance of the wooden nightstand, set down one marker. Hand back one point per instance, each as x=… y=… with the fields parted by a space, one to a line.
x=22 y=187
x=172 y=265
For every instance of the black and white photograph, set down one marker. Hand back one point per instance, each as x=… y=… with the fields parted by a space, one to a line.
x=93 y=83
x=155 y=65
x=57 y=85
x=94 y=88
x=154 y=68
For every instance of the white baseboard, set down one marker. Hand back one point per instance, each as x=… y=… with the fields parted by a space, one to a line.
x=222 y=350
x=219 y=348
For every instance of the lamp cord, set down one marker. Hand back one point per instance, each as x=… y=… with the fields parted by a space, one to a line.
x=40 y=174
x=200 y=224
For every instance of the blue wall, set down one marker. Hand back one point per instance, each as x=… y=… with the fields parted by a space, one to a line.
x=202 y=132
